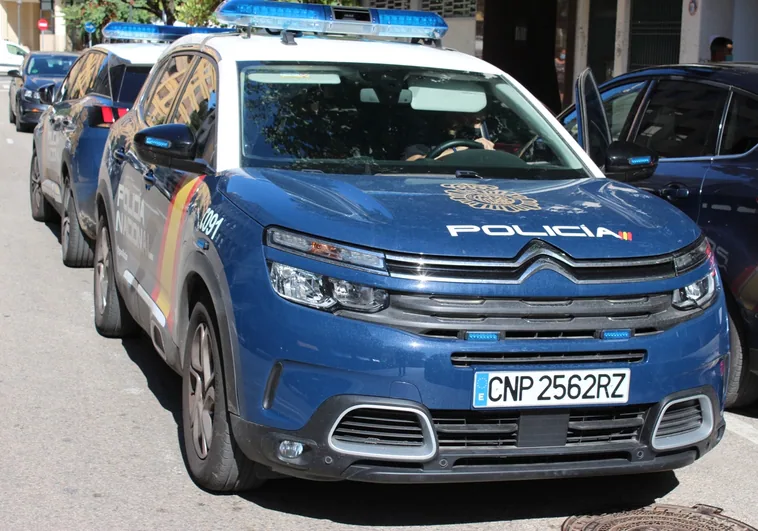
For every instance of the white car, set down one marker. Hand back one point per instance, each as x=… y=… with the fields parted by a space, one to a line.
x=11 y=56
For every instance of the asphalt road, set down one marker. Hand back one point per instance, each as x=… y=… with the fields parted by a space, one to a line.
x=89 y=435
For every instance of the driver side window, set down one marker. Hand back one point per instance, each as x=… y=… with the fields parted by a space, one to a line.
x=618 y=102
x=64 y=92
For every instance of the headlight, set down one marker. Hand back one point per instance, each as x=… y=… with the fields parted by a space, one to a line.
x=31 y=94
x=325 y=293
x=316 y=248
x=698 y=294
x=692 y=259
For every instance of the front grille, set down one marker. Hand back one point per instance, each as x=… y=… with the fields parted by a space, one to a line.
x=606 y=425
x=528 y=318
x=680 y=419
x=472 y=429
x=504 y=429
x=537 y=256
x=471 y=359
x=380 y=427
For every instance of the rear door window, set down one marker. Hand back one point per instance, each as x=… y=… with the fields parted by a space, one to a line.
x=741 y=130
x=682 y=119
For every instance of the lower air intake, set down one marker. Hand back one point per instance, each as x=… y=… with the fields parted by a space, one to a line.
x=374 y=431
x=683 y=422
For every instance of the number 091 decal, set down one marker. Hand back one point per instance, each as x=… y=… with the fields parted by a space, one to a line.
x=210 y=223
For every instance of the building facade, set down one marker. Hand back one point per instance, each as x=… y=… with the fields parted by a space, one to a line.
x=609 y=36
x=18 y=24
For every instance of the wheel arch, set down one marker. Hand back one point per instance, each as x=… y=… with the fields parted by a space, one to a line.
x=204 y=278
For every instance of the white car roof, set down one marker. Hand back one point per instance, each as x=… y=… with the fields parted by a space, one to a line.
x=336 y=50
x=137 y=53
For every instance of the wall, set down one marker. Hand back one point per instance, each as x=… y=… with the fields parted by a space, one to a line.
x=29 y=17
x=461 y=35
x=713 y=18
x=743 y=32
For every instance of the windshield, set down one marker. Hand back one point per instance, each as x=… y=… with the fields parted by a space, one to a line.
x=363 y=118
x=49 y=65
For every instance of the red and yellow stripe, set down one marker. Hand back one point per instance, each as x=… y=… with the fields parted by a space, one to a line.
x=165 y=287
x=625 y=235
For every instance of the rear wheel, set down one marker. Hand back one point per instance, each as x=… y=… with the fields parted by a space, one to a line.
x=76 y=250
x=112 y=317
x=41 y=209
x=11 y=116
x=742 y=388
x=214 y=460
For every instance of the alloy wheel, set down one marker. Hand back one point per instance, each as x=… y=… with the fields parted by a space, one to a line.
x=36 y=189
x=202 y=393
x=102 y=272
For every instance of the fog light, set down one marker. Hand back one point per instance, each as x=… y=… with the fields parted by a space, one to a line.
x=290 y=449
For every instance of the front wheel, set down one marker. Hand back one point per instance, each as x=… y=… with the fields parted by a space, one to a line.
x=214 y=460
x=112 y=317
x=742 y=388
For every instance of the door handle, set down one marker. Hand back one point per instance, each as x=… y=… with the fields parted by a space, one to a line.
x=149 y=178
x=675 y=191
x=119 y=155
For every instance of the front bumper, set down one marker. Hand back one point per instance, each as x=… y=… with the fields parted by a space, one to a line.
x=29 y=113
x=534 y=456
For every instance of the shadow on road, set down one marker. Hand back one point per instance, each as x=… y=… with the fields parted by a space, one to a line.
x=55 y=228
x=750 y=411
x=402 y=505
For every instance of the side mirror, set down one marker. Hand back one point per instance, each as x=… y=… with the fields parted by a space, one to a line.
x=15 y=73
x=171 y=146
x=46 y=94
x=628 y=162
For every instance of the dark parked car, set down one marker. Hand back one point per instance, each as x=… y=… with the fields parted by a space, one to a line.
x=702 y=120
x=100 y=87
x=38 y=70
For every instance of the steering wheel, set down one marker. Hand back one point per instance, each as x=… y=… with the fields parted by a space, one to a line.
x=439 y=150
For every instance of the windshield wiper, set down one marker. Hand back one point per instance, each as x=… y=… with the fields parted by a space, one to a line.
x=467 y=174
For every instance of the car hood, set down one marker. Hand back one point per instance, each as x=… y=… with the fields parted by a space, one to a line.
x=35 y=82
x=486 y=218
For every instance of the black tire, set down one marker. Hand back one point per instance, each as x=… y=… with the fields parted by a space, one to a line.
x=20 y=127
x=217 y=465
x=742 y=389
x=76 y=249
x=112 y=317
x=42 y=210
x=11 y=116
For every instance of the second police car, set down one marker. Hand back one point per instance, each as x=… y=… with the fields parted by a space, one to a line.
x=334 y=241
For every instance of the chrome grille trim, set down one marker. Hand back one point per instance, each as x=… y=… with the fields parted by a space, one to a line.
x=417 y=453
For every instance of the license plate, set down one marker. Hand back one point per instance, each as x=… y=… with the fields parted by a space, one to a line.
x=551 y=388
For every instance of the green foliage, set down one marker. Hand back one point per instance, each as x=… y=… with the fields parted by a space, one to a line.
x=100 y=12
x=200 y=12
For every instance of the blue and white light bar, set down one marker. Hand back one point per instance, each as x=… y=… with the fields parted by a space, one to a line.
x=152 y=32
x=332 y=19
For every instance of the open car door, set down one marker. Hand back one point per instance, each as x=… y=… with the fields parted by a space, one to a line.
x=622 y=161
x=593 y=131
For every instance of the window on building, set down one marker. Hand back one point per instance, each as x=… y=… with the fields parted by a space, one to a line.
x=451 y=8
x=741 y=131
x=197 y=107
x=682 y=119
x=165 y=89
x=391 y=4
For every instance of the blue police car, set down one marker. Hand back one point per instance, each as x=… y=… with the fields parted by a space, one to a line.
x=333 y=240
x=702 y=121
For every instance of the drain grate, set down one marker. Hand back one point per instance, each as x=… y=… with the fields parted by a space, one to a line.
x=659 y=517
